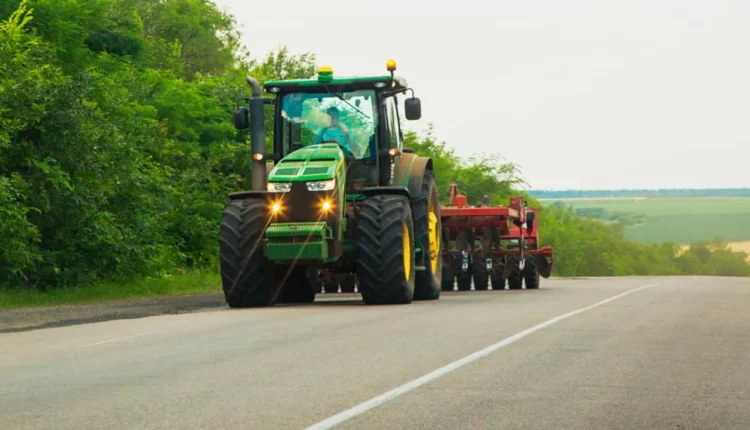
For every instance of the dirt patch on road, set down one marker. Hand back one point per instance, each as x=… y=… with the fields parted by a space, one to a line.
x=35 y=318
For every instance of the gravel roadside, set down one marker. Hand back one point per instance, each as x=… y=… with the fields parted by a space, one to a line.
x=25 y=319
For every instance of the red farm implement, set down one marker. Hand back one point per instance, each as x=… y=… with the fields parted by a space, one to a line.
x=487 y=243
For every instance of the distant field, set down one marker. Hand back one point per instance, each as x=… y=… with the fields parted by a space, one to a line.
x=733 y=246
x=741 y=247
x=681 y=220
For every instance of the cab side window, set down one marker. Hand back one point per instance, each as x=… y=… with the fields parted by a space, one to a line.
x=392 y=121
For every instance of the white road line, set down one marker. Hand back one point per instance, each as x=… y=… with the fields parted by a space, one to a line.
x=117 y=339
x=412 y=385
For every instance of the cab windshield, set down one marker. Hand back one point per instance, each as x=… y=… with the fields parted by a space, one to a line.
x=346 y=118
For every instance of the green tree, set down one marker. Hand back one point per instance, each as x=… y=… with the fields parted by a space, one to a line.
x=115 y=161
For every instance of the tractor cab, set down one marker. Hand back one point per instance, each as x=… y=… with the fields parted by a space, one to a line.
x=357 y=115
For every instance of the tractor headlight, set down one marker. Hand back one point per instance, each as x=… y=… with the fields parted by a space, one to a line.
x=321 y=185
x=279 y=187
x=326 y=206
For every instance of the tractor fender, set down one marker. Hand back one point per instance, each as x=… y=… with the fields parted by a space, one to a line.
x=409 y=172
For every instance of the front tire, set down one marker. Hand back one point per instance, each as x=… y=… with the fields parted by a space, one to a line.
x=244 y=274
x=385 y=250
x=428 y=230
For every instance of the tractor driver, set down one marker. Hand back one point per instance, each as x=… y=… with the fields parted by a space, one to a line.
x=336 y=132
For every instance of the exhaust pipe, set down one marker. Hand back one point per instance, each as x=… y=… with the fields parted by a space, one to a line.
x=257 y=136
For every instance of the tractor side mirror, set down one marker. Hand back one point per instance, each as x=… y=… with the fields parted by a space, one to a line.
x=413 y=108
x=241 y=118
x=529 y=221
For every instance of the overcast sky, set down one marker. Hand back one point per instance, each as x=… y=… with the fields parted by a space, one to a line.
x=584 y=94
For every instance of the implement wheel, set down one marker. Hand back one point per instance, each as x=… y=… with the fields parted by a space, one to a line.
x=385 y=250
x=531 y=274
x=449 y=277
x=515 y=280
x=496 y=276
x=463 y=279
x=244 y=276
x=464 y=242
x=448 y=280
x=479 y=271
x=318 y=284
x=347 y=283
x=428 y=230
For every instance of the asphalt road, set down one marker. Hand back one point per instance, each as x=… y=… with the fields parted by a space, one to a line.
x=641 y=353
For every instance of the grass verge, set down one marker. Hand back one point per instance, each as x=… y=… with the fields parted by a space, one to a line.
x=191 y=282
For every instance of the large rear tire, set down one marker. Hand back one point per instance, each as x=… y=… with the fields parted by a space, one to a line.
x=244 y=274
x=385 y=250
x=428 y=231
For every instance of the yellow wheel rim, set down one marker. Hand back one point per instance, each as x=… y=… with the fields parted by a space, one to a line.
x=407 y=253
x=434 y=238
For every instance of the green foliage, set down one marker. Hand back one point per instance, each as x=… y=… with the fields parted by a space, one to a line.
x=627 y=219
x=478 y=176
x=280 y=64
x=205 y=38
x=194 y=281
x=714 y=258
x=116 y=143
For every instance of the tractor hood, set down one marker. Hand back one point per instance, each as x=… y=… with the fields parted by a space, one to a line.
x=311 y=163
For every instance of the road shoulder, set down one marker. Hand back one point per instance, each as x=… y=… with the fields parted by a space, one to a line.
x=25 y=319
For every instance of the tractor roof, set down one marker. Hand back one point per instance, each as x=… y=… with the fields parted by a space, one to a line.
x=325 y=78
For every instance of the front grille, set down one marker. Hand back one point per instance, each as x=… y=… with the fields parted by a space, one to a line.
x=302 y=205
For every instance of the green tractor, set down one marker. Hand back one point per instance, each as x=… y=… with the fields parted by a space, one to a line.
x=338 y=196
